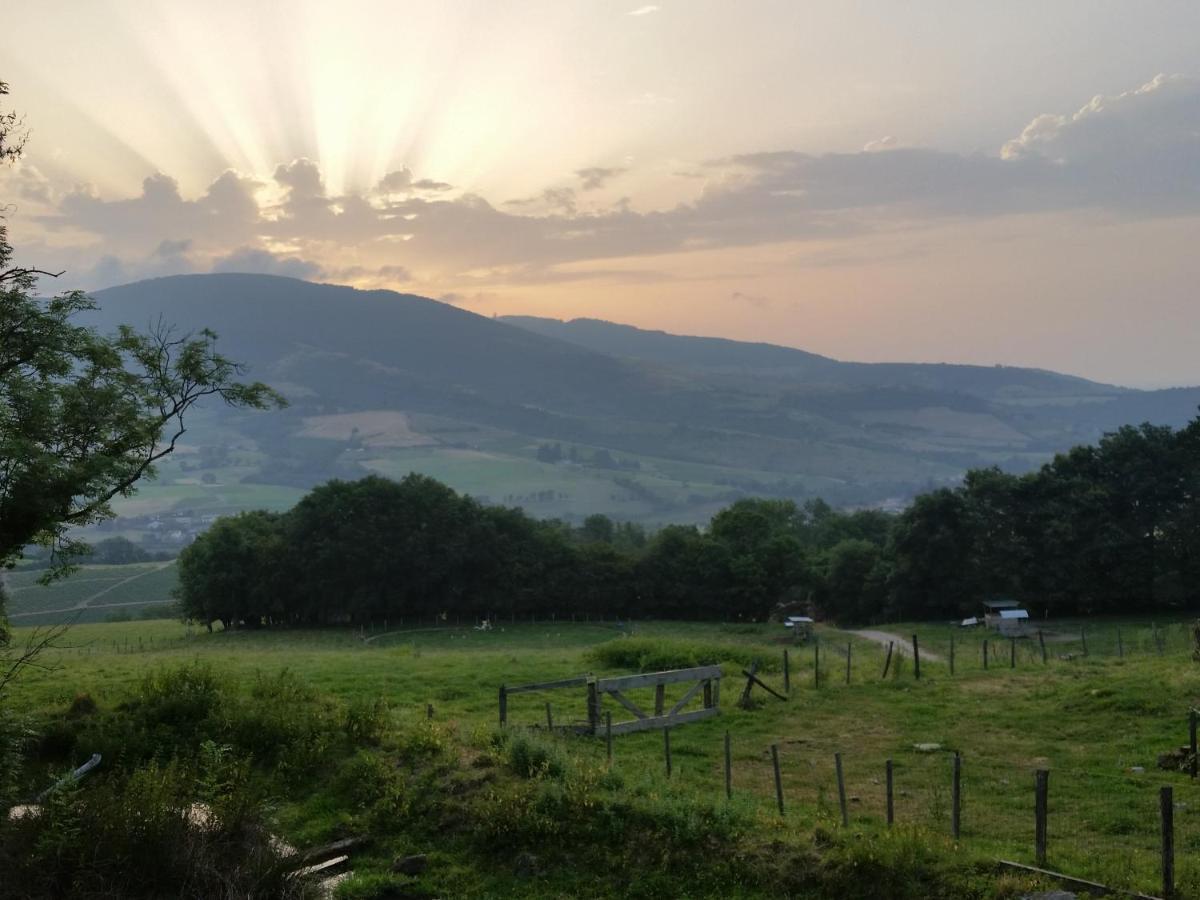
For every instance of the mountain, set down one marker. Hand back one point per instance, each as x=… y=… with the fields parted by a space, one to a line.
x=570 y=418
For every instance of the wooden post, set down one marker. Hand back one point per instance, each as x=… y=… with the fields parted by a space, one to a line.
x=1042 y=644
x=608 y=736
x=951 y=654
x=1012 y=653
x=728 y=769
x=549 y=717
x=708 y=693
x=816 y=664
x=891 y=808
x=659 y=694
x=667 y=748
x=916 y=659
x=888 y=660
x=778 y=779
x=1120 y=646
x=1192 y=741
x=985 y=654
x=787 y=673
x=503 y=706
x=841 y=784
x=1083 y=640
x=429 y=710
x=1040 y=808
x=1166 y=808
x=849 y=650
x=956 y=798
x=593 y=706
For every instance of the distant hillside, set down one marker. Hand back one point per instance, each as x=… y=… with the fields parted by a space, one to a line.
x=570 y=418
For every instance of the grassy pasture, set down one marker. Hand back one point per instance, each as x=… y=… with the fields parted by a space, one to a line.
x=1091 y=720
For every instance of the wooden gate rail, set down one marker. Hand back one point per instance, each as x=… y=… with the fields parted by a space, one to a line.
x=706 y=678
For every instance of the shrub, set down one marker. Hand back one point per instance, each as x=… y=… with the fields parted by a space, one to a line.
x=532 y=757
x=656 y=654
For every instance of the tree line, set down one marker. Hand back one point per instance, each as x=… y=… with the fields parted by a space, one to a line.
x=1113 y=527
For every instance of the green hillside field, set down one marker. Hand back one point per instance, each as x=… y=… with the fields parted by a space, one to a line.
x=1096 y=717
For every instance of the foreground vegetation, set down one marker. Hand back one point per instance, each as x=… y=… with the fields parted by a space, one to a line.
x=323 y=734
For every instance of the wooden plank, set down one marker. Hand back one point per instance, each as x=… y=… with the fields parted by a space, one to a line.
x=660 y=721
x=548 y=685
x=754 y=679
x=673 y=676
x=1091 y=887
x=749 y=683
x=685 y=699
x=628 y=704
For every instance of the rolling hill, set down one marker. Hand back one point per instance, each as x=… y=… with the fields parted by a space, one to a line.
x=569 y=418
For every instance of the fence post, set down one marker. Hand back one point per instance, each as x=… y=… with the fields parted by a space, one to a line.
x=667 y=748
x=952 y=654
x=1192 y=740
x=608 y=736
x=916 y=659
x=549 y=717
x=1120 y=646
x=503 y=706
x=1012 y=653
x=728 y=769
x=956 y=797
x=1166 y=808
x=1041 y=790
x=429 y=710
x=787 y=673
x=1083 y=640
x=985 y=654
x=1042 y=643
x=891 y=809
x=659 y=697
x=888 y=661
x=841 y=784
x=816 y=664
x=778 y=779
x=593 y=706
x=848 y=651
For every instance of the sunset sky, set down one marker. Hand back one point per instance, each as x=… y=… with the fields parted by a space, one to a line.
x=932 y=180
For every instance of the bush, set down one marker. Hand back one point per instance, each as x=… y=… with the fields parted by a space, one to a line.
x=532 y=757
x=657 y=654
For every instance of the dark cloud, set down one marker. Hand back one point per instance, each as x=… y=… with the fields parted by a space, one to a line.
x=402 y=182
x=596 y=177
x=262 y=262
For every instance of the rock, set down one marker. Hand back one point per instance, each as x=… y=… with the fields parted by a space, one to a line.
x=927 y=748
x=1137 y=770
x=526 y=865
x=410 y=865
x=854 y=799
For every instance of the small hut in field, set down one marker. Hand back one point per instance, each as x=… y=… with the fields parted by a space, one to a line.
x=1006 y=617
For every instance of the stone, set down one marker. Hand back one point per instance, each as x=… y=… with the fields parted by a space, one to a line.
x=410 y=865
x=927 y=747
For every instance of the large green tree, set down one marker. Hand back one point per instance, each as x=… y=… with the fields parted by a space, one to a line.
x=85 y=416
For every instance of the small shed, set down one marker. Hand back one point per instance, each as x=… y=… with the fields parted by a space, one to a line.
x=970 y=622
x=992 y=610
x=801 y=626
x=1012 y=622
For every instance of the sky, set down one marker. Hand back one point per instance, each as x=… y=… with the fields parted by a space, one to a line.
x=917 y=180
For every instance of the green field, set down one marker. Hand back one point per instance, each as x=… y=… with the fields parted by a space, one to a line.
x=1092 y=721
x=90 y=594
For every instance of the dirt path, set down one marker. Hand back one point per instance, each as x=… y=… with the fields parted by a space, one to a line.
x=902 y=644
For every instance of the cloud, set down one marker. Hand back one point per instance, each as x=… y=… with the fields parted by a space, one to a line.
x=887 y=142
x=262 y=262
x=758 y=301
x=596 y=177
x=642 y=11
x=1134 y=154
